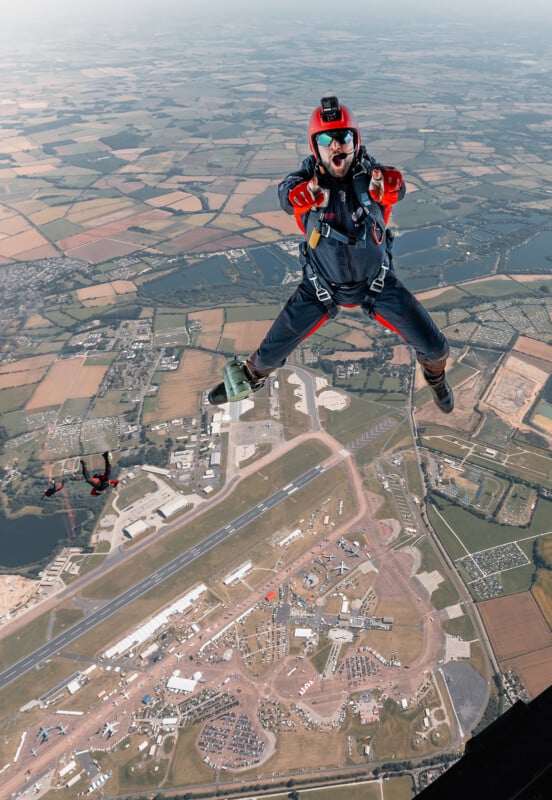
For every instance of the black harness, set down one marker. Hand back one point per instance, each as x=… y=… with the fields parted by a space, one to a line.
x=371 y=214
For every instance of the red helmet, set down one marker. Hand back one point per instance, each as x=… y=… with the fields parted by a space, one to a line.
x=331 y=116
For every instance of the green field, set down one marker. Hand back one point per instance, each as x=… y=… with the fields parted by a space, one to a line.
x=16 y=397
x=252 y=312
x=165 y=322
x=137 y=488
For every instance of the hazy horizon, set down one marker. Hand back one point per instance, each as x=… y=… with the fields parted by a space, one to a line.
x=30 y=13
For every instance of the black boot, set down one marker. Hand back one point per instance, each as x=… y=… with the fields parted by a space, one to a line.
x=442 y=395
x=217 y=395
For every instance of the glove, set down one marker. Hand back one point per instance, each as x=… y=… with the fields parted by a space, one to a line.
x=306 y=195
x=385 y=186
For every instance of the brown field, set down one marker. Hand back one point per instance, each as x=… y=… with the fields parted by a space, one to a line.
x=213 y=241
x=44 y=251
x=169 y=199
x=543 y=422
x=520 y=638
x=232 y=222
x=97 y=302
x=119 y=217
x=211 y=320
x=90 y=209
x=542 y=592
x=401 y=355
x=123 y=287
x=102 y=250
x=36 y=169
x=10 y=379
x=196 y=239
x=514 y=389
x=534 y=669
x=130 y=154
x=180 y=393
x=24 y=364
x=46 y=215
x=121 y=183
x=101 y=290
x=106 y=290
x=263 y=235
x=13 y=224
x=67 y=380
x=5 y=212
x=209 y=340
x=285 y=223
x=228 y=243
x=246 y=335
x=36 y=321
x=348 y=355
x=359 y=339
x=533 y=348
x=22 y=242
x=145 y=219
x=527 y=278
x=216 y=201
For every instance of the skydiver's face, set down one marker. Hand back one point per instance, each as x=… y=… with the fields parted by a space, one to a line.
x=339 y=154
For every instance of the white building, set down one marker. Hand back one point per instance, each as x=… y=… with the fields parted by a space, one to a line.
x=177 y=684
x=171 y=508
x=293 y=535
x=240 y=573
x=135 y=528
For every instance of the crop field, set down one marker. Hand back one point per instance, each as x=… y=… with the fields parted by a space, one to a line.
x=67 y=379
x=245 y=336
x=15 y=398
x=180 y=393
x=251 y=313
x=521 y=638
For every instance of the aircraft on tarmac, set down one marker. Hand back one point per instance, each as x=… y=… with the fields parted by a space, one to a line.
x=43 y=733
x=62 y=729
x=109 y=729
x=341 y=567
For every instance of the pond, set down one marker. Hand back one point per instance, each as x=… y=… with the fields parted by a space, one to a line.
x=30 y=538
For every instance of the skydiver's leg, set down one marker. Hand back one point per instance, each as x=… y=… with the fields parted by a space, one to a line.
x=107 y=466
x=299 y=318
x=85 y=473
x=398 y=309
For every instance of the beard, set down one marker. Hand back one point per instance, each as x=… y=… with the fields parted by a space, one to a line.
x=339 y=165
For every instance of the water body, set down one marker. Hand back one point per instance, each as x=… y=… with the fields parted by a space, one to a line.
x=272 y=262
x=31 y=538
x=468 y=270
x=535 y=255
x=211 y=271
x=423 y=239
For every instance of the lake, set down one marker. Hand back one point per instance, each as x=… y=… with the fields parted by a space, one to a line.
x=31 y=538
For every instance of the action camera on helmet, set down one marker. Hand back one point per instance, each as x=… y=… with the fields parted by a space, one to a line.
x=330 y=111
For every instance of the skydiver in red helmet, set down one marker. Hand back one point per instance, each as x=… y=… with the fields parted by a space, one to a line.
x=100 y=481
x=342 y=200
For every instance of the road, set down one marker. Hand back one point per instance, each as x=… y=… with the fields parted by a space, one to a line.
x=99 y=615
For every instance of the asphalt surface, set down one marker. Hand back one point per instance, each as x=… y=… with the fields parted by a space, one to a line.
x=101 y=614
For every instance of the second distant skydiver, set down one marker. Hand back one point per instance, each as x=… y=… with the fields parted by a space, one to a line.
x=100 y=481
x=55 y=487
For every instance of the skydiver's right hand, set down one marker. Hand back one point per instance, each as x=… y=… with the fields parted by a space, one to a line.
x=306 y=195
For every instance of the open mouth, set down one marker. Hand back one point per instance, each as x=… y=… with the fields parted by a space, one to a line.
x=337 y=159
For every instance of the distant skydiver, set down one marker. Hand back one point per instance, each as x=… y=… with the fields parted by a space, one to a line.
x=100 y=481
x=342 y=200
x=55 y=487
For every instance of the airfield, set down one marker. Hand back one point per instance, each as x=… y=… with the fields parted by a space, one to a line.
x=317 y=615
